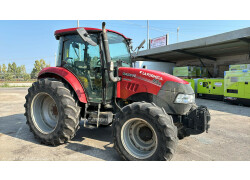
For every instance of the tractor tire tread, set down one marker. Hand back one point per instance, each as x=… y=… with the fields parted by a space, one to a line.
x=69 y=120
x=163 y=124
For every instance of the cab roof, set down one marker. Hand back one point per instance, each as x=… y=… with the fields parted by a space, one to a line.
x=62 y=32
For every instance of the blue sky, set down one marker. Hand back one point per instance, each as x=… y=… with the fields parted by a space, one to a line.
x=24 y=41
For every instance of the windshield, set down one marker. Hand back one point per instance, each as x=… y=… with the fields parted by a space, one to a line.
x=118 y=49
x=75 y=49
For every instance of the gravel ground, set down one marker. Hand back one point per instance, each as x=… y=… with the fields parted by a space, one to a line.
x=228 y=138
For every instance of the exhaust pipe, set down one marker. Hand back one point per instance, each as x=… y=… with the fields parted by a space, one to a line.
x=110 y=64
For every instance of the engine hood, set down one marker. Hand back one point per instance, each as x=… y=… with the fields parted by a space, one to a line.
x=154 y=77
x=153 y=86
x=135 y=80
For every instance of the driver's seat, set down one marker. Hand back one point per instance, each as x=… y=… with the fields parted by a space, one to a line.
x=80 y=65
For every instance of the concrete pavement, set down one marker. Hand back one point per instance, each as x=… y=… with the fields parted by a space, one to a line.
x=228 y=138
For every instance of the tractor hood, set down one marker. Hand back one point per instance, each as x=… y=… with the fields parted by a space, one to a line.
x=149 y=79
x=153 y=86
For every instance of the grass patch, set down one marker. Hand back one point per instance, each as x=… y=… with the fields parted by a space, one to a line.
x=7 y=85
x=4 y=85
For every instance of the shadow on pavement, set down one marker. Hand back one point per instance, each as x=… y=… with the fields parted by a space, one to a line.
x=15 y=126
x=101 y=134
x=224 y=107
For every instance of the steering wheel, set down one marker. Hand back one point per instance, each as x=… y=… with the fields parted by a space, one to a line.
x=67 y=58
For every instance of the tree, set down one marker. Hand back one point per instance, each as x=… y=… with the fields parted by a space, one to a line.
x=14 y=68
x=4 y=68
x=9 y=68
x=26 y=77
x=1 y=75
x=38 y=66
x=9 y=75
x=23 y=69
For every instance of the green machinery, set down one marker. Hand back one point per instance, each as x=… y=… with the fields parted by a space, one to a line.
x=190 y=72
x=237 y=67
x=186 y=71
x=210 y=88
x=237 y=87
x=201 y=72
x=191 y=82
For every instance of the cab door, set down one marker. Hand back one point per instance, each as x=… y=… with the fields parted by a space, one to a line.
x=83 y=60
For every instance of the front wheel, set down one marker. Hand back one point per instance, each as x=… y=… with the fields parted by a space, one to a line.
x=143 y=131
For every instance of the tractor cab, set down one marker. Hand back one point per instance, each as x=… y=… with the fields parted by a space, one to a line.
x=85 y=58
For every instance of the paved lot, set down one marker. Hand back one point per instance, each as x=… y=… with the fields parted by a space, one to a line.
x=228 y=138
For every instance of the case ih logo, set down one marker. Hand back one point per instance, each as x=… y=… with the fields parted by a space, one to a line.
x=151 y=75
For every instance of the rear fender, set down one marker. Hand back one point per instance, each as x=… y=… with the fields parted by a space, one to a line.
x=67 y=76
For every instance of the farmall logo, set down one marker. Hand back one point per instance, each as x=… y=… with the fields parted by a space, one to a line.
x=151 y=75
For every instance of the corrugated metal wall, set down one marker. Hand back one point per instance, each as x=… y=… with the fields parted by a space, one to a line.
x=159 y=66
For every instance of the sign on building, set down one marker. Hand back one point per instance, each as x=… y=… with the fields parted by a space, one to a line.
x=158 y=42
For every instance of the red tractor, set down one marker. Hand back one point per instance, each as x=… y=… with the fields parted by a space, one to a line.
x=94 y=81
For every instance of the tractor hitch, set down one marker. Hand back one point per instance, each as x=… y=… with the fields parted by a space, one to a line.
x=197 y=120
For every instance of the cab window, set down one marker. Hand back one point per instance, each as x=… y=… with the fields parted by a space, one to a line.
x=83 y=60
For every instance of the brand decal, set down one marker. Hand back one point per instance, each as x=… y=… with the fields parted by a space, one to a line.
x=150 y=75
x=157 y=82
x=128 y=74
x=125 y=79
x=154 y=81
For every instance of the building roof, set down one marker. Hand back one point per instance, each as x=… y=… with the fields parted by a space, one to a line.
x=212 y=47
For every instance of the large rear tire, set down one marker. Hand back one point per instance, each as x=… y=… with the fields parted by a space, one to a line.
x=52 y=111
x=143 y=131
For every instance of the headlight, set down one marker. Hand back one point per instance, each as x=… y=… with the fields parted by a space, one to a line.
x=185 y=98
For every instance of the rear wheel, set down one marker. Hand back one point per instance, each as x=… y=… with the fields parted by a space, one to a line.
x=143 y=131
x=52 y=111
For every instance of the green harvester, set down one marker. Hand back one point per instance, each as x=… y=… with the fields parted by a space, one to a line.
x=210 y=88
x=237 y=87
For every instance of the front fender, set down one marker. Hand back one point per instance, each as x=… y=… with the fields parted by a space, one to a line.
x=67 y=76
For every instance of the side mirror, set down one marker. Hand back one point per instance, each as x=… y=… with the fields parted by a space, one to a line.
x=140 y=46
x=85 y=36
